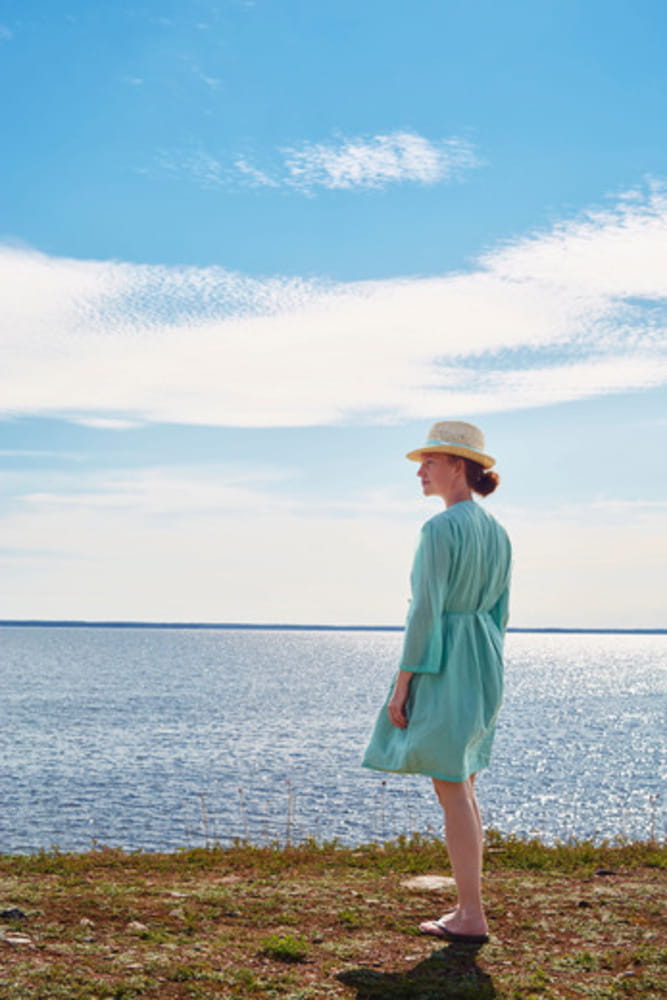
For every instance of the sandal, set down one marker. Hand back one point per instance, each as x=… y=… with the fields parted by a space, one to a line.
x=436 y=928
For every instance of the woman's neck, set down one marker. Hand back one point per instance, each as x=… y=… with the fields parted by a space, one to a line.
x=457 y=496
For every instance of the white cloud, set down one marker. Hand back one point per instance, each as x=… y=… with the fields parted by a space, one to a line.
x=134 y=343
x=253 y=176
x=60 y=456
x=220 y=544
x=346 y=164
x=106 y=423
x=596 y=565
x=206 y=170
x=618 y=251
x=180 y=492
x=6 y=34
x=376 y=162
x=192 y=544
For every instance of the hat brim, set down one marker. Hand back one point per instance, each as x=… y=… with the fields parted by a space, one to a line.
x=486 y=461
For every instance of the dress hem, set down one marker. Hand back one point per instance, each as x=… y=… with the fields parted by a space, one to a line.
x=425 y=774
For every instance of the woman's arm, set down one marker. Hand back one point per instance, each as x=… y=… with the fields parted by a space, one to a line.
x=423 y=638
x=398 y=700
x=422 y=641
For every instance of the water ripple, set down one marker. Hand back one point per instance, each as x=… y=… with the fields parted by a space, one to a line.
x=160 y=739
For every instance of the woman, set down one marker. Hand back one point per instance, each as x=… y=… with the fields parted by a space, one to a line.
x=440 y=716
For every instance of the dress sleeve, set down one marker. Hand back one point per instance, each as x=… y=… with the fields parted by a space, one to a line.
x=500 y=611
x=423 y=639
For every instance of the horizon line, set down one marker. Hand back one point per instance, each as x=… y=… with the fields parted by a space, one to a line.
x=291 y=627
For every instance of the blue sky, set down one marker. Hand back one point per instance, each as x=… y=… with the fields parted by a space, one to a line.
x=249 y=251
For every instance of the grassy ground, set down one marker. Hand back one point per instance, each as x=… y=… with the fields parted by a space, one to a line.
x=323 y=921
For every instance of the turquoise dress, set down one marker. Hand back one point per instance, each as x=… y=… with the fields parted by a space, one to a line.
x=453 y=644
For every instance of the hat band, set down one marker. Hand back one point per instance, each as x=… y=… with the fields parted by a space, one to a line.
x=456 y=444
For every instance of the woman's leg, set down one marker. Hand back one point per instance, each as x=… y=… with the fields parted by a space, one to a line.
x=476 y=807
x=464 y=836
x=480 y=832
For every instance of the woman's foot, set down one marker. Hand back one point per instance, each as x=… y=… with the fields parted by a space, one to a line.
x=433 y=926
x=454 y=926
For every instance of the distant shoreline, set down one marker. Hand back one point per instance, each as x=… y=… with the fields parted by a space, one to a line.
x=76 y=623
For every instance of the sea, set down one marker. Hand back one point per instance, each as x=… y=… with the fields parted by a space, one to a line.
x=157 y=738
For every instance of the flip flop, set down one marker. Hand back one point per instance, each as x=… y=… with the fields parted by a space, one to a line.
x=444 y=932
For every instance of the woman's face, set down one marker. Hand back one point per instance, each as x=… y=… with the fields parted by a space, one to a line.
x=438 y=473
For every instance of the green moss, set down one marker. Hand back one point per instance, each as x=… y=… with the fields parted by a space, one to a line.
x=284 y=949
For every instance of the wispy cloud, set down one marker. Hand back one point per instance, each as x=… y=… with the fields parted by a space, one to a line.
x=6 y=34
x=345 y=164
x=60 y=456
x=172 y=490
x=106 y=423
x=376 y=162
x=205 y=170
x=567 y=314
x=213 y=82
x=252 y=176
x=208 y=543
x=201 y=543
x=591 y=549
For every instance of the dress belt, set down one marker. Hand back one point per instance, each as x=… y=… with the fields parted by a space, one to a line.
x=459 y=613
x=466 y=614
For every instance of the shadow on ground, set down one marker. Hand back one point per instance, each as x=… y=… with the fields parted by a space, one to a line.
x=449 y=974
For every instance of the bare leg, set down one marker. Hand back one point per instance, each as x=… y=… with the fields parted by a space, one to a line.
x=463 y=832
x=480 y=832
x=476 y=808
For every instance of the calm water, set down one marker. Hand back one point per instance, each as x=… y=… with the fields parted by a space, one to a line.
x=159 y=739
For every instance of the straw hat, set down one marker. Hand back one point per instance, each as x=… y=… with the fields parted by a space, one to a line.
x=455 y=437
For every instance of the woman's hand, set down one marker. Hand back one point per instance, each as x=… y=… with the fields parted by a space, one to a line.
x=398 y=700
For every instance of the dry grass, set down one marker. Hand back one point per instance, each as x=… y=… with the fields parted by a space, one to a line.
x=324 y=921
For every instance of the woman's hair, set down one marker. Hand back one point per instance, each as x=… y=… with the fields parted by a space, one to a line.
x=477 y=479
